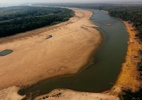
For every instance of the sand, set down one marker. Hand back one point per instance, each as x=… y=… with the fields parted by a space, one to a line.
x=10 y=94
x=128 y=78
x=36 y=58
x=60 y=94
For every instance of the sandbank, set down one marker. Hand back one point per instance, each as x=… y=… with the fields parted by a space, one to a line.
x=36 y=58
x=60 y=94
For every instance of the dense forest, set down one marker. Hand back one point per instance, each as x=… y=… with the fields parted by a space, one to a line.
x=14 y=20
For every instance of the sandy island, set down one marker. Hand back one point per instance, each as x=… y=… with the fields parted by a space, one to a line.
x=36 y=58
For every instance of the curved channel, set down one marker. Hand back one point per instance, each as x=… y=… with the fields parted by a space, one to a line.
x=101 y=74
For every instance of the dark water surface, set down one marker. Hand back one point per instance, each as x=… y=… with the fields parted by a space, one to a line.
x=5 y=52
x=105 y=67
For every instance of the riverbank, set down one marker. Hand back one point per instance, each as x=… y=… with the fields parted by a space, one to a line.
x=128 y=78
x=36 y=58
x=66 y=94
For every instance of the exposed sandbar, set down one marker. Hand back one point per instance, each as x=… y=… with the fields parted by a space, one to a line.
x=74 y=95
x=36 y=58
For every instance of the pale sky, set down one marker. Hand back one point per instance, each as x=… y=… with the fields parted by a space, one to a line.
x=61 y=1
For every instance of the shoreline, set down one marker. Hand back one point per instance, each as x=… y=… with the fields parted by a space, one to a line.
x=81 y=35
x=128 y=77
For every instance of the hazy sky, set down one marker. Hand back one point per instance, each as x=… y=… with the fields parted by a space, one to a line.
x=60 y=1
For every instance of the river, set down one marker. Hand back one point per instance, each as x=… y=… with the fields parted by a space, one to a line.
x=105 y=66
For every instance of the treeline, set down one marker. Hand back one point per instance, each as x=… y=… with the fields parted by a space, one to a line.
x=131 y=14
x=14 y=20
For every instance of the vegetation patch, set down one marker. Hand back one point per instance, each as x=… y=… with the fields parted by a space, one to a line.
x=15 y=20
x=129 y=95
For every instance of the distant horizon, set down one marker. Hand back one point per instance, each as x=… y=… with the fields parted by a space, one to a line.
x=28 y=3
x=68 y=1
x=71 y=3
